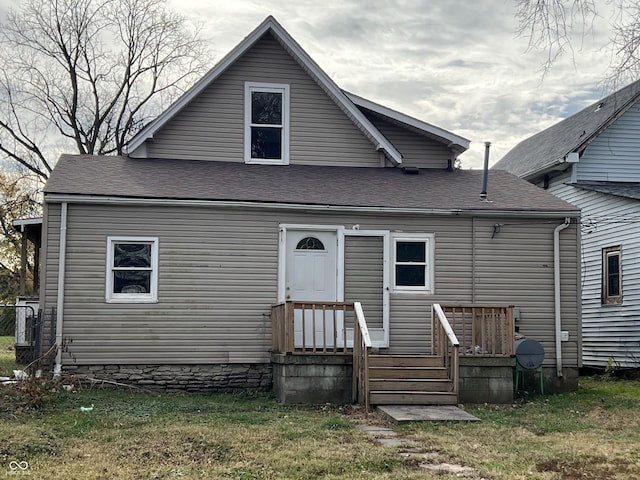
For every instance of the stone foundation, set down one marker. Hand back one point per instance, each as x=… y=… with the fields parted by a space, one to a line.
x=183 y=378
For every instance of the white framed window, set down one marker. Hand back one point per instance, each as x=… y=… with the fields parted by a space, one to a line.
x=612 y=275
x=266 y=123
x=132 y=270
x=413 y=260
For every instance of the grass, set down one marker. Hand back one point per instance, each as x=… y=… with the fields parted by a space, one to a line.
x=590 y=434
x=7 y=357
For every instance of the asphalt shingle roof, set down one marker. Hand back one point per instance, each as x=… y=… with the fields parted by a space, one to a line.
x=296 y=184
x=574 y=133
x=619 y=189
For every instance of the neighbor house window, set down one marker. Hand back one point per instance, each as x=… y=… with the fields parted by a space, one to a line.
x=132 y=269
x=413 y=263
x=612 y=275
x=266 y=123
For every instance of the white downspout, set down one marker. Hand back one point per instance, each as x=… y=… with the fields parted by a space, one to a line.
x=57 y=369
x=556 y=285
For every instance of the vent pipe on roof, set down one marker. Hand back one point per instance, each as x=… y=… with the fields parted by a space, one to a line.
x=485 y=176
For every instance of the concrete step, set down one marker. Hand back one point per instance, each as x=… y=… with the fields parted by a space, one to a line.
x=411 y=385
x=405 y=361
x=377 y=397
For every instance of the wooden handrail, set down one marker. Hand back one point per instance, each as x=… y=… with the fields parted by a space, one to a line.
x=361 y=347
x=446 y=325
x=450 y=350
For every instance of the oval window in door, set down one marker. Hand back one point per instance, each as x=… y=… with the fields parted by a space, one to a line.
x=310 y=243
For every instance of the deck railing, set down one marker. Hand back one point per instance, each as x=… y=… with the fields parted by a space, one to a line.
x=485 y=331
x=445 y=343
x=312 y=327
x=361 y=349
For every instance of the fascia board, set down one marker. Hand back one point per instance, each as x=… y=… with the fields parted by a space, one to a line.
x=338 y=95
x=307 y=62
x=148 y=131
x=110 y=200
x=450 y=137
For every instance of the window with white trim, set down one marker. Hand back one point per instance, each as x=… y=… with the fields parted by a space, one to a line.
x=132 y=269
x=413 y=262
x=612 y=275
x=266 y=117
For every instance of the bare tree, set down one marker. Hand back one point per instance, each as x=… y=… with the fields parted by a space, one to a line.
x=87 y=74
x=555 y=26
x=550 y=25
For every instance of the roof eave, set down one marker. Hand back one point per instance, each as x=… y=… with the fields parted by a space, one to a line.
x=507 y=212
x=456 y=142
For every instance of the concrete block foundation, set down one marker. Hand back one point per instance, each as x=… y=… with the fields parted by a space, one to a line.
x=312 y=379
x=486 y=379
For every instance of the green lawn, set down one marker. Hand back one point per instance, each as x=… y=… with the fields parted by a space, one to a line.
x=7 y=357
x=591 y=434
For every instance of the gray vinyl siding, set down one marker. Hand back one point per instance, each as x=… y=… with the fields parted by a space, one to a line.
x=211 y=127
x=608 y=331
x=514 y=266
x=218 y=278
x=363 y=276
x=613 y=156
x=417 y=150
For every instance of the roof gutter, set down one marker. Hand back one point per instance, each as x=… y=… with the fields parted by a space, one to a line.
x=57 y=368
x=111 y=200
x=557 y=292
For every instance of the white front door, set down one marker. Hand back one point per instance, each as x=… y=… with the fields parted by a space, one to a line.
x=311 y=267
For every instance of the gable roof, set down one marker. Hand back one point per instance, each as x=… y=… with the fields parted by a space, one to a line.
x=307 y=63
x=324 y=187
x=456 y=142
x=549 y=148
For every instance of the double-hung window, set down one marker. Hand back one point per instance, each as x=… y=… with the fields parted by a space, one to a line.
x=266 y=134
x=413 y=263
x=132 y=269
x=612 y=275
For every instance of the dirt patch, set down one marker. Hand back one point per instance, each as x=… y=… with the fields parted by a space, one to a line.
x=588 y=468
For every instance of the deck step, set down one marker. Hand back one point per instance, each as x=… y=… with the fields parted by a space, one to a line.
x=407 y=372
x=411 y=384
x=405 y=361
x=412 y=398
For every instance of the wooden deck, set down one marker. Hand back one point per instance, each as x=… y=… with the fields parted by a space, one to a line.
x=340 y=328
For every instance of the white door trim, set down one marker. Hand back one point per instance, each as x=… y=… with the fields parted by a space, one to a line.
x=386 y=245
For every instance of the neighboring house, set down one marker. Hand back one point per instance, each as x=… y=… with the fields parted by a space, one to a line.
x=591 y=159
x=232 y=248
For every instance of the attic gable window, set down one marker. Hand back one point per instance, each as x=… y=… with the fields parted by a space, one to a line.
x=266 y=133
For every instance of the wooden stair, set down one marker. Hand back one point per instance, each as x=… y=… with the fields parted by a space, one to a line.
x=409 y=380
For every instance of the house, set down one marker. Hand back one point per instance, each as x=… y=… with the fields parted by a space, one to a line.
x=272 y=230
x=591 y=160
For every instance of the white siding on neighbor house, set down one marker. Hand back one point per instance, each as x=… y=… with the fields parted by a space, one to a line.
x=609 y=331
x=218 y=279
x=211 y=127
x=417 y=150
x=615 y=155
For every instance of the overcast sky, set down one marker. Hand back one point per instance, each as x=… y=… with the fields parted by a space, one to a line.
x=455 y=64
